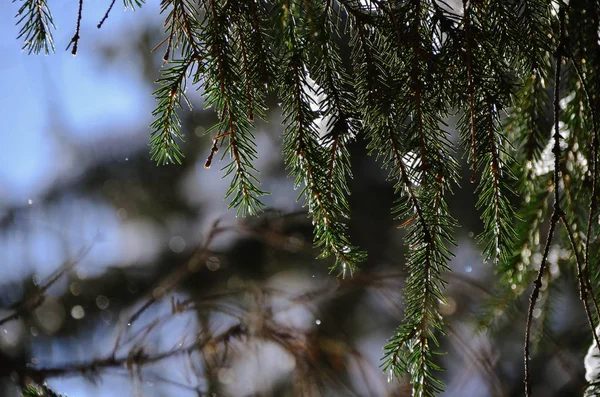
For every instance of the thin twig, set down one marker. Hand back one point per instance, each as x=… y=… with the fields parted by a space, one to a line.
x=75 y=40
x=137 y=358
x=37 y=298
x=173 y=279
x=105 y=17
x=471 y=86
x=580 y=278
x=594 y=202
x=557 y=213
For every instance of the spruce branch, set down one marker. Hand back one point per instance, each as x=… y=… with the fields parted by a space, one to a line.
x=335 y=107
x=412 y=63
x=495 y=192
x=303 y=151
x=223 y=91
x=471 y=86
x=133 y=4
x=481 y=132
x=403 y=129
x=255 y=58
x=166 y=128
x=37 y=25
x=527 y=118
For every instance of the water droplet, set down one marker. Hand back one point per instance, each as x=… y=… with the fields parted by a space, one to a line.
x=390 y=376
x=213 y=263
x=468 y=269
x=126 y=158
x=102 y=302
x=129 y=324
x=75 y=289
x=30 y=201
x=177 y=244
x=318 y=322
x=77 y=312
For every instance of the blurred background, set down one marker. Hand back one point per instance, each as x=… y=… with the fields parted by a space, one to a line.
x=118 y=277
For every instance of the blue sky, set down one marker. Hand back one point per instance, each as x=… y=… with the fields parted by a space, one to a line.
x=95 y=100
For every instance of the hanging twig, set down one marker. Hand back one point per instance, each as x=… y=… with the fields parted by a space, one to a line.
x=75 y=40
x=557 y=213
x=112 y=3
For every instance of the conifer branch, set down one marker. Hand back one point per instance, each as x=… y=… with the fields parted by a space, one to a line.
x=413 y=62
x=471 y=86
x=416 y=82
x=335 y=107
x=37 y=25
x=494 y=192
x=480 y=126
x=133 y=3
x=223 y=91
x=39 y=391
x=303 y=151
x=166 y=126
x=527 y=117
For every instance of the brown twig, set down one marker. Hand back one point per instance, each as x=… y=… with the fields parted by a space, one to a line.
x=557 y=213
x=173 y=279
x=37 y=298
x=583 y=292
x=105 y=17
x=594 y=201
x=75 y=39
